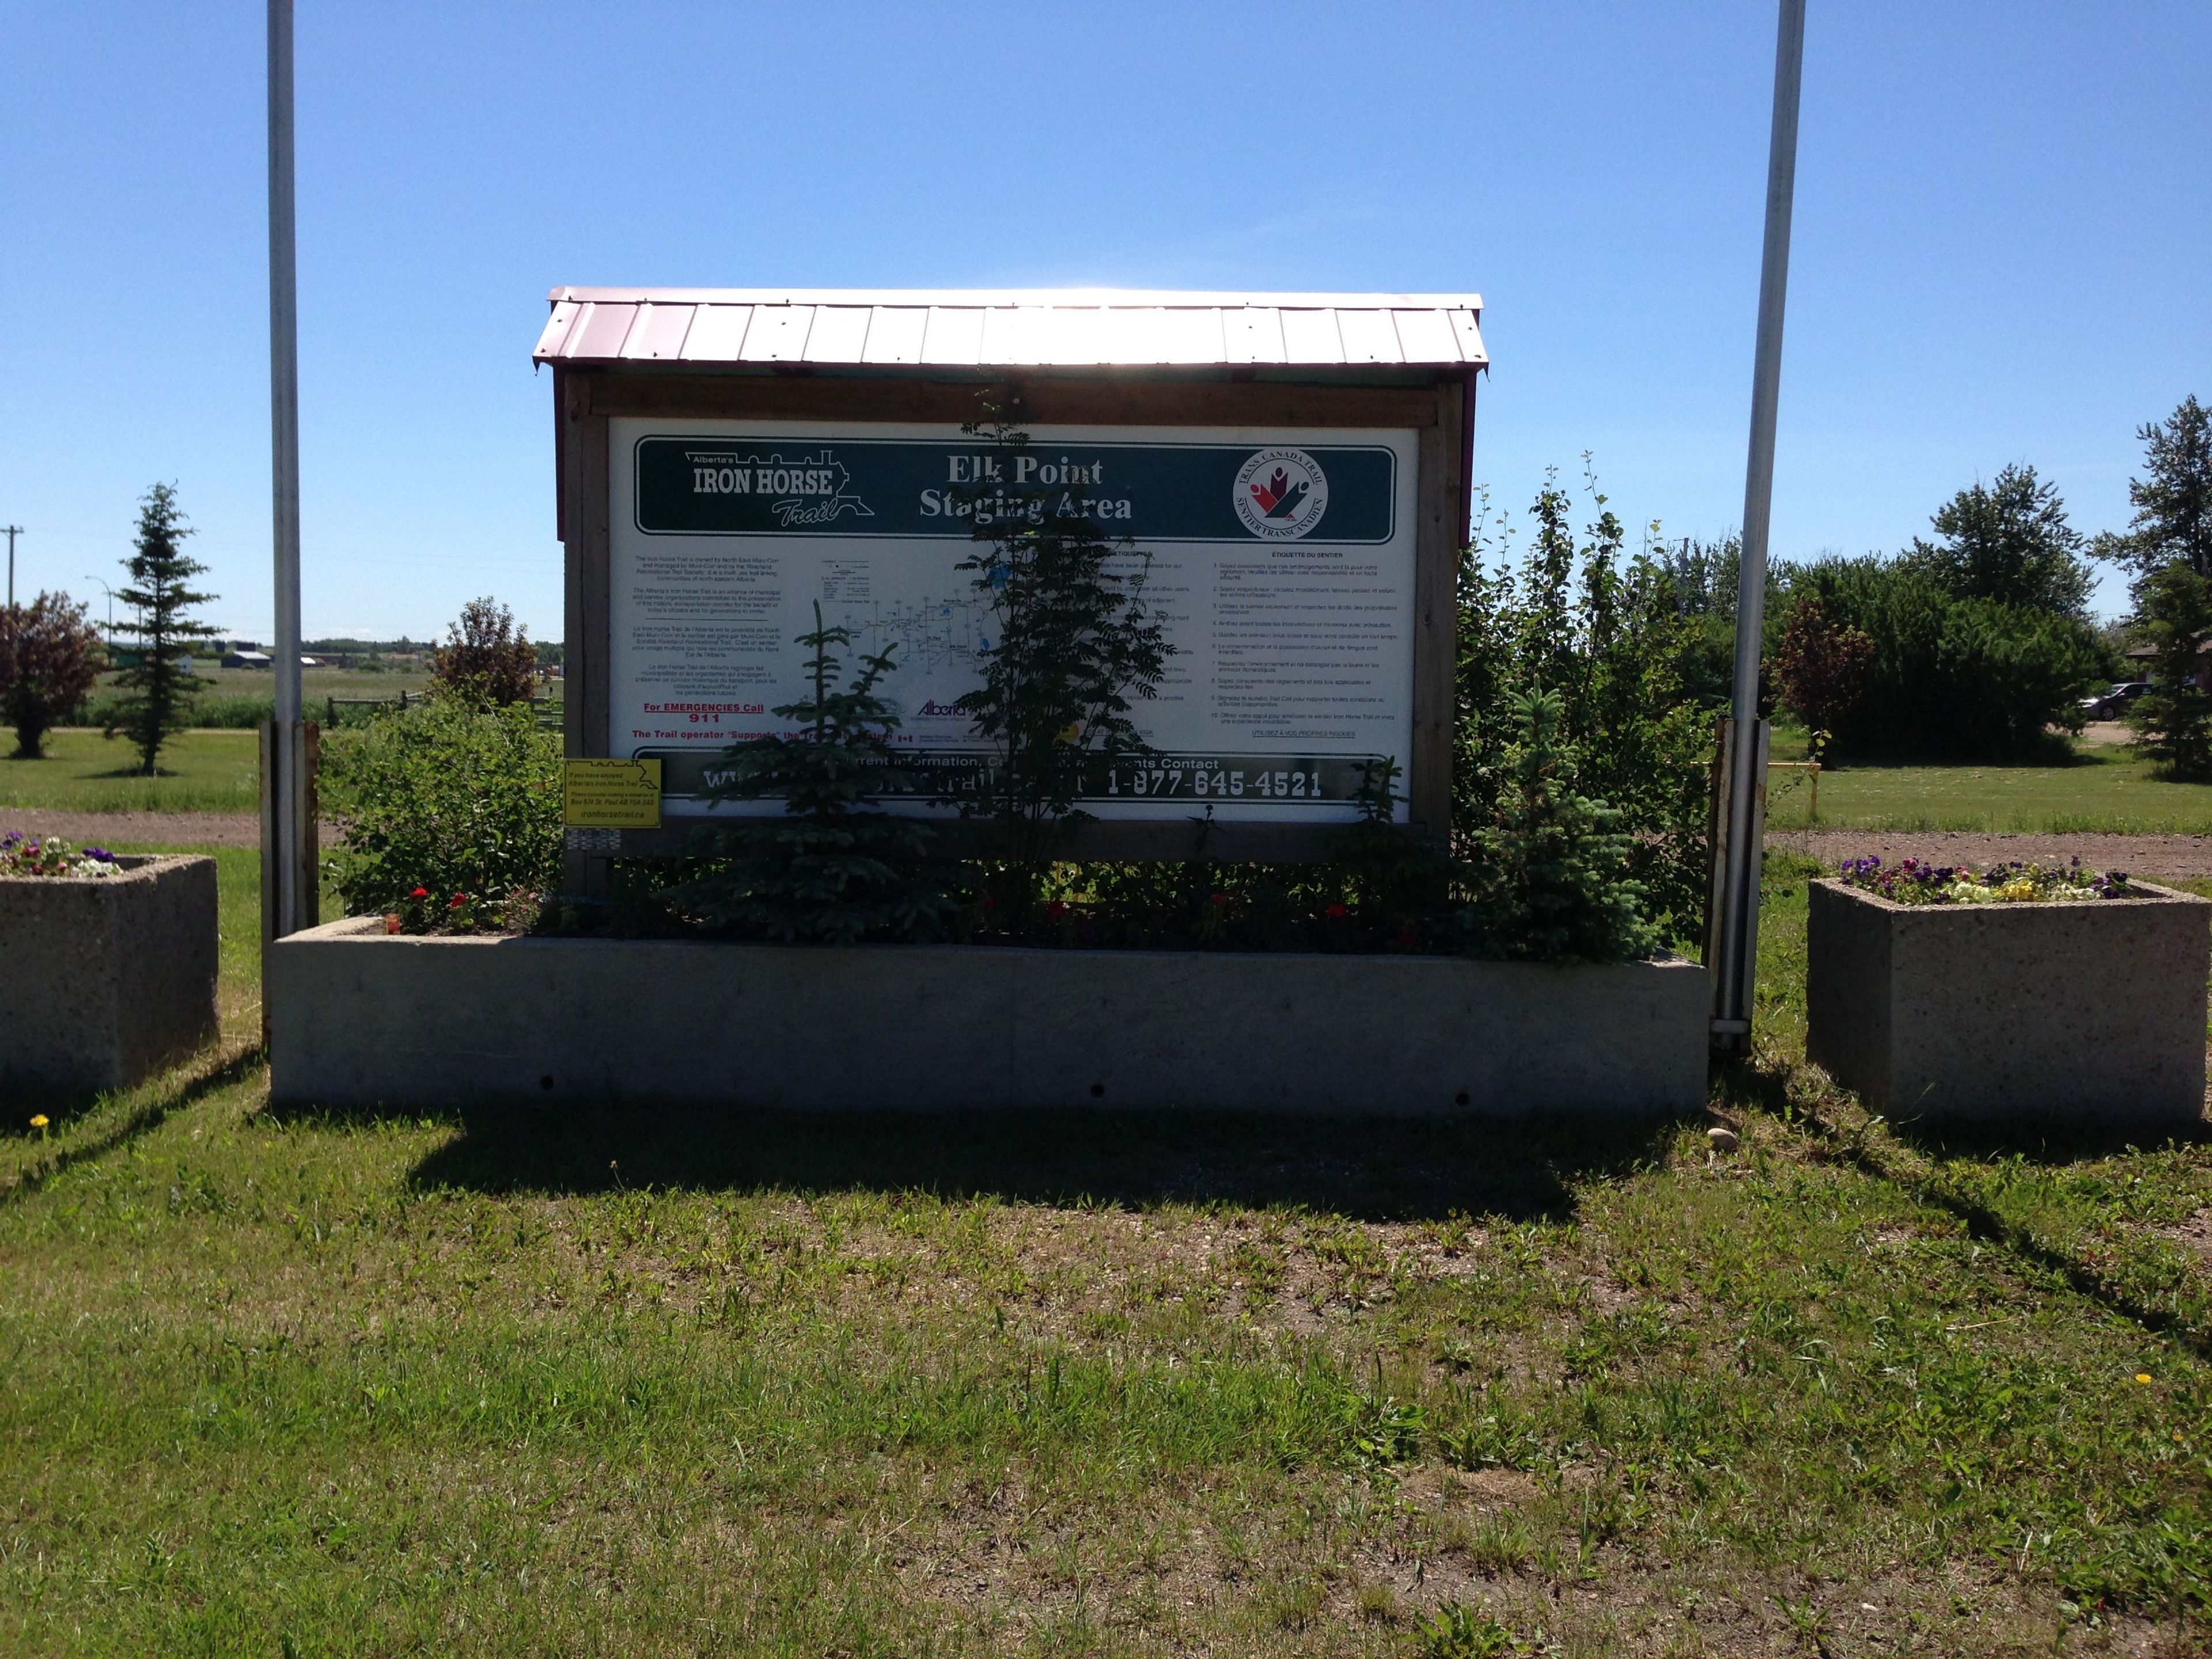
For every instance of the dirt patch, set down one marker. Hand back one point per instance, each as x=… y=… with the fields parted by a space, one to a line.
x=2149 y=856
x=2195 y=1236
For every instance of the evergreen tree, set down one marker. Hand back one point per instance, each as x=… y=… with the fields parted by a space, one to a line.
x=2173 y=723
x=2009 y=541
x=1072 y=644
x=1550 y=879
x=830 y=870
x=2174 y=503
x=159 y=688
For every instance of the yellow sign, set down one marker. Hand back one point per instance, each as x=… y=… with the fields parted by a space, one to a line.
x=611 y=794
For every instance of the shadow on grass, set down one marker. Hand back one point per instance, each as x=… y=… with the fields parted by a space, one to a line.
x=213 y=1068
x=1369 y=1167
x=1912 y=1157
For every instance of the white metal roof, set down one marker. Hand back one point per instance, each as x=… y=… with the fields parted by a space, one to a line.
x=1020 y=328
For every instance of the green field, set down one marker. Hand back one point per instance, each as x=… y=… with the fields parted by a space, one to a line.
x=647 y=1381
x=2106 y=790
x=201 y=771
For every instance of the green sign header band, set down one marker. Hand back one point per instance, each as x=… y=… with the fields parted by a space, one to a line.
x=894 y=488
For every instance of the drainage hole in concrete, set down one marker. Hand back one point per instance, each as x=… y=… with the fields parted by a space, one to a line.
x=1462 y=1098
x=1098 y=1091
x=545 y=1081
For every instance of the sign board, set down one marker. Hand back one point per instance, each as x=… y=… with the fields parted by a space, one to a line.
x=610 y=794
x=1281 y=563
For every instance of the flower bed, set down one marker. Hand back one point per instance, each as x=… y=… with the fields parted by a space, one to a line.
x=2059 y=995
x=51 y=856
x=107 y=964
x=1912 y=882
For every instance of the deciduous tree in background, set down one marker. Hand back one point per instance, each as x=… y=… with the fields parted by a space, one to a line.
x=2173 y=503
x=49 y=657
x=159 y=688
x=1821 y=669
x=2009 y=540
x=486 y=658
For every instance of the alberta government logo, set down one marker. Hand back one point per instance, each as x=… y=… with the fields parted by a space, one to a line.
x=1280 y=493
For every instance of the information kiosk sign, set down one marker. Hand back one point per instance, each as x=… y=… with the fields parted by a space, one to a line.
x=1280 y=563
x=1289 y=473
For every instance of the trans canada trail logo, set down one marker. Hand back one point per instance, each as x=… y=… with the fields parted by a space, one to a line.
x=1280 y=493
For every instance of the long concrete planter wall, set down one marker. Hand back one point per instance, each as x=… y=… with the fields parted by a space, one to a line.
x=104 y=983
x=2088 y=1011
x=361 y=1019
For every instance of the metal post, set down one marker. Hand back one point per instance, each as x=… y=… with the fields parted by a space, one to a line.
x=1736 y=934
x=14 y=530
x=288 y=896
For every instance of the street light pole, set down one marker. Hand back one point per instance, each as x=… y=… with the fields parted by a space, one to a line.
x=110 y=591
x=288 y=861
x=14 y=530
x=1735 y=936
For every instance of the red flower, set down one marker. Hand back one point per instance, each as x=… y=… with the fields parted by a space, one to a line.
x=1406 y=937
x=1221 y=898
x=1057 y=908
x=420 y=892
x=460 y=899
x=1340 y=910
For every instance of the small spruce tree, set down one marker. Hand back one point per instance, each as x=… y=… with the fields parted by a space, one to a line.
x=49 y=657
x=832 y=870
x=1550 y=879
x=159 y=688
x=1073 y=645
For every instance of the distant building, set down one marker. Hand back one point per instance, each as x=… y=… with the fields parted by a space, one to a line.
x=247 y=660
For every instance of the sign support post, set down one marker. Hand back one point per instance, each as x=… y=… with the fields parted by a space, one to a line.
x=288 y=749
x=1735 y=962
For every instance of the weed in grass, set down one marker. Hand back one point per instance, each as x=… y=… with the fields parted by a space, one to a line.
x=1456 y=1630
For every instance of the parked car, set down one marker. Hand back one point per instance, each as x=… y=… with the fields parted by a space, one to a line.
x=2113 y=704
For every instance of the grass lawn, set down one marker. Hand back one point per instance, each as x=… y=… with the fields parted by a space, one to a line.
x=638 y=1382
x=316 y=684
x=2107 y=789
x=201 y=771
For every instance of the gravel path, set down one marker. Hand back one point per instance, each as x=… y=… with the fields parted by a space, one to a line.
x=2151 y=856
x=149 y=828
x=2140 y=856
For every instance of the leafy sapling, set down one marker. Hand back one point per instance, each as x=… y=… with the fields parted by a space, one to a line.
x=833 y=869
x=1073 y=649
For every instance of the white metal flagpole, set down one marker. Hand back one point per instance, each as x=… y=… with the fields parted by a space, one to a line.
x=1736 y=935
x=287 y=869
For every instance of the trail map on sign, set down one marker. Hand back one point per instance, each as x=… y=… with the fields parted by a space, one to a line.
x=1281 y=566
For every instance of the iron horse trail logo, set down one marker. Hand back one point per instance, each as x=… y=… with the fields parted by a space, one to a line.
x=810 y=491
x=1280 y=493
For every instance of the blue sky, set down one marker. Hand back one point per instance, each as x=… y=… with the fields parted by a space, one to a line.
x=2002 y=253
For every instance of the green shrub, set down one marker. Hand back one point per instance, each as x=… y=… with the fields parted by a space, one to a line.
x=1951 y=678
x=454 y=799
x=1625 y=647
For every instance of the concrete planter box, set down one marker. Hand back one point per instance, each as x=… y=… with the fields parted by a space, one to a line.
x=2090 y=1011
x=360 y=1018
x=104 y=983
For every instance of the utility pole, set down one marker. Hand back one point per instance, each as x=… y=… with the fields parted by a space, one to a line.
x=14 y=530
x=1733 y=951
x=89 y=577
x=288 y=899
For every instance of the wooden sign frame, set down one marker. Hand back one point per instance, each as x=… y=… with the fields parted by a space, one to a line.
x=1438 y=405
